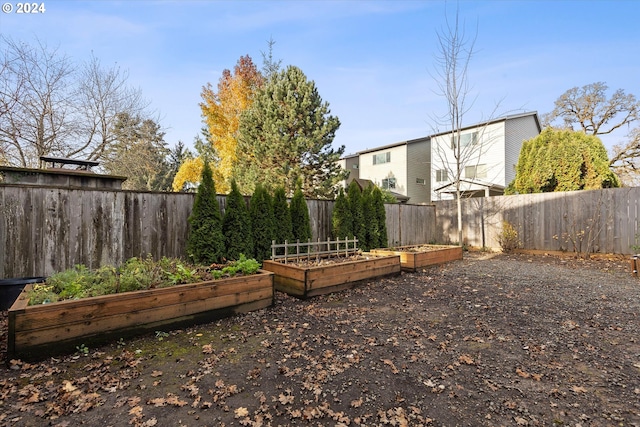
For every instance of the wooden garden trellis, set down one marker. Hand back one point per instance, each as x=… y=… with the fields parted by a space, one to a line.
x=316 y=250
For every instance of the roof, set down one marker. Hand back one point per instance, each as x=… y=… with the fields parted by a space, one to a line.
x=364 y=183
x=477 y=182
x=496 y=120
x=425 y=138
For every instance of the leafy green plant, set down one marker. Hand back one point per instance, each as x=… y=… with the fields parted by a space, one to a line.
x=508 y=237
x=636 y=246
x=82 y=349
x=161 y=335
x=134 y=274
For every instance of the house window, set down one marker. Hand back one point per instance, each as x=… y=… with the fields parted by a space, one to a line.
x=389 y=183
x=465 y=138
x=421 y=181
x=441 y=175
x=382 y=158
x=354 y=166
x=472 y=172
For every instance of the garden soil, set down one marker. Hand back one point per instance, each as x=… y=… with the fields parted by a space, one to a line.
x=490 y=340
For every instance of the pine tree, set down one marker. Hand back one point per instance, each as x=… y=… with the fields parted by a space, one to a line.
x=354 y=195
x=205 y=243
x=381 y=217
x=286 y=135
x=262 y=223
x=282 y=217
x=236 y=226
x=300 y=224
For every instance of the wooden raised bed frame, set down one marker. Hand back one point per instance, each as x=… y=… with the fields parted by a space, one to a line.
x=412 y=258
x=304 y=282
x=38 y=331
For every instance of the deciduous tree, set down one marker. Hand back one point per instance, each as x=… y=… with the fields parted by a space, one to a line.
x=455 y=51
x=52 y=106
x=139 y=153
x=188 y=176
x=221 y=111
x=590 y=110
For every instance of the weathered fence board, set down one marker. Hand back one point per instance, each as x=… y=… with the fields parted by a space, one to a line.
x=596 y=220
x=49 y=229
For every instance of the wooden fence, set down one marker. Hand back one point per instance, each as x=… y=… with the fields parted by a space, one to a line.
x=49 y=229
x=582 y=221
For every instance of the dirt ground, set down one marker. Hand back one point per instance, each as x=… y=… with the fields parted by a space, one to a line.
x=491 y=340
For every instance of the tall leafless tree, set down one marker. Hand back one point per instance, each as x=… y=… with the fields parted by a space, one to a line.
x=455 y=51
x=50 y=106
x=592 y=111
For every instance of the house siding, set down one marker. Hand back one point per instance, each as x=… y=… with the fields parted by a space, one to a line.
x=517 y=131
x=396 y=168
x=498 y=148
x=419 y=167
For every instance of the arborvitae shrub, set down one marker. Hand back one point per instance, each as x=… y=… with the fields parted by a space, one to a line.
x=372 y=233
x=282 y=217
x=205 y=243
x=342 y=225
x=262 y=224
x=236 y=226
x=300 y=223
x=381 y=217
x=354 y=195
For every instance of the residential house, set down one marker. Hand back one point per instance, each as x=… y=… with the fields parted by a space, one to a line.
x=423 y=169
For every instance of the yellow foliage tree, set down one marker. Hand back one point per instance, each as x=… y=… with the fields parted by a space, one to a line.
x=189 y=173
x=221 y=113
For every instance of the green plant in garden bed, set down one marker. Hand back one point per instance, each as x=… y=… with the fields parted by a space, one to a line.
x=135 y=274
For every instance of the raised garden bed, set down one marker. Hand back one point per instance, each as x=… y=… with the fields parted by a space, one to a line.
x=38 y=331
x=307 y=279
x=415 y=257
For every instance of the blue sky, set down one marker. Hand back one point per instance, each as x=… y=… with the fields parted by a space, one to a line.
x=372 y=61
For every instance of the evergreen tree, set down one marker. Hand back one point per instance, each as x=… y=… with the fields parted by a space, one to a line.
x=300 y=223
x=282 y=217
x=262 y=223
x=381 y=217
x=342 y=224
x=286 y=135
x=205 y=243
x=372 y=233
x=562 y=160
x=354 y=195
x=236 y=226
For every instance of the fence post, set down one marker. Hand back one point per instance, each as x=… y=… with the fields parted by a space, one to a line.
x=286 y=250
x=273 y=250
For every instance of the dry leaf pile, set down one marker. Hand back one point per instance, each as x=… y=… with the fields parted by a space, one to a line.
x=487 y=341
